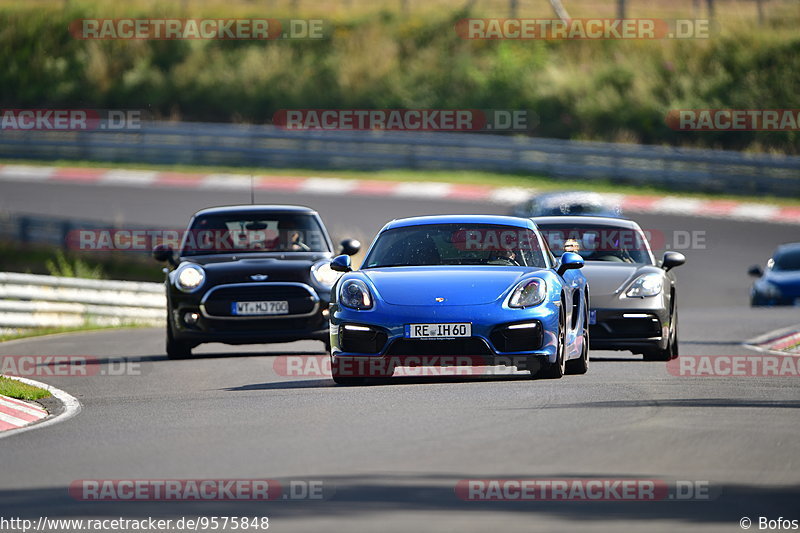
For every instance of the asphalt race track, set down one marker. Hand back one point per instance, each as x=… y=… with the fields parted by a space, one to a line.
x=390 y=455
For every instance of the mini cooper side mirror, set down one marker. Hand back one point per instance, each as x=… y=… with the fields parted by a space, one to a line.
x=755 y=271
x=350 y=247
x=162 y=253
x=672 y=260
x=341 y=263
x=569 y=261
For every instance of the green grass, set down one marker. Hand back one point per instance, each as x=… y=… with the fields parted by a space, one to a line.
x=38 y=332
x=21 y=391
x=48 y=260
x=378 y=58
x=458 y=177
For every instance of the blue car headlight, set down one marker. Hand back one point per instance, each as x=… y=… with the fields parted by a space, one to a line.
x=354 y=294
x=528 y=293
x=645 y=285
x=189 y=277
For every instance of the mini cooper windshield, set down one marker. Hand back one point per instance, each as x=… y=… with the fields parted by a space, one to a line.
x=456 y=244
x=598 y=243
x=254 y=232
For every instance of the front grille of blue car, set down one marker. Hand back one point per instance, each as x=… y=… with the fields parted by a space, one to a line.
x=366 y=342
x=466 y=346
x=517 y=338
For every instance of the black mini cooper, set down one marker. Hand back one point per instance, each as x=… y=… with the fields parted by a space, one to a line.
x=248 y=275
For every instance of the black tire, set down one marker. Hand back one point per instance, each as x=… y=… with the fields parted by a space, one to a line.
x=555 y=370
x=176 y=349
x=671 y=351
x=339 y=379
x=581 y=365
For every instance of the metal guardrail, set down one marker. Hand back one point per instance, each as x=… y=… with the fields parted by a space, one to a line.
x=269 y=146
x=32 y=301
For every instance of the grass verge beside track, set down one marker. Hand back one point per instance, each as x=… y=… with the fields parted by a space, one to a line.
x=21 y=391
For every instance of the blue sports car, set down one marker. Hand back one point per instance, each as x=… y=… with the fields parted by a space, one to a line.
x=779 y=283
x=459 y=290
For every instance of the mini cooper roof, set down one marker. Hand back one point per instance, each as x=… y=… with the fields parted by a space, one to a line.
x=461 y=219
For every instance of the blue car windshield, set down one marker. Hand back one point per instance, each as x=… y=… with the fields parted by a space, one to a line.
x=456 y=244
x=598 y=242
x=787 y=261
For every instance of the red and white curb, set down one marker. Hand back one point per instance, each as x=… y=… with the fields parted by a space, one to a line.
x=671 y=205
x=17 y=416
x=16 y=413
x=783 y=341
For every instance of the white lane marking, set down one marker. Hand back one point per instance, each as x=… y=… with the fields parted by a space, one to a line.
x=13 y=420
x=755 y=211
x=510 y=195
x=129 y=177
x=677 y=205
x=71 y=408
x=226 y=181
x=27 y=172
x=328 y=185
x=414 y=189
x=23 y=408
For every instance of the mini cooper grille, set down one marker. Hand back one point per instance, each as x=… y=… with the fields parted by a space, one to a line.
x=219 y=301
x=467 y=346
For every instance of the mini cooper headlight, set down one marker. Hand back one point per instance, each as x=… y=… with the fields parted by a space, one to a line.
x=189 y=278
x=528 y=293
x=323 y=274
x=355 y=294
x=645 y=285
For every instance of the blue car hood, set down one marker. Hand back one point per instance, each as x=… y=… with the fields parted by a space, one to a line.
x=457 y=285
x=789 y=279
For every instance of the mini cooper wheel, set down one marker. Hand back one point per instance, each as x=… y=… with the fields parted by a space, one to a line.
x=176 y=349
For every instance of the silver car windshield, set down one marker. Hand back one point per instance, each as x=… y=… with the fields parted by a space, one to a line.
x=598 y=242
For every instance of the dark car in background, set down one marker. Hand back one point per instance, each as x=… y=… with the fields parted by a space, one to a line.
x=566 y=203
x=248 y=275
x=779 y=282
x=632 y=296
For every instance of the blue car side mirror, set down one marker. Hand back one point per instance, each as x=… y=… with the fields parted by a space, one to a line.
x=569 y=261
x=341 y=263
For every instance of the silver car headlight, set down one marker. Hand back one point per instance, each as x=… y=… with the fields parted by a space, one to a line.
x=528 y=293
x=645 y=285
x=323 y=274
x=354 y=294
x=189 y=278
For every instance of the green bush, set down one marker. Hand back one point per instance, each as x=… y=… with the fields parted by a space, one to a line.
x=609 y=90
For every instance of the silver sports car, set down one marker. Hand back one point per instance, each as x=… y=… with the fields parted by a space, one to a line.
x=632 y=296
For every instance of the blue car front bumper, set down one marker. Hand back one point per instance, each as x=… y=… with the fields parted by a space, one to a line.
x=382 y=333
